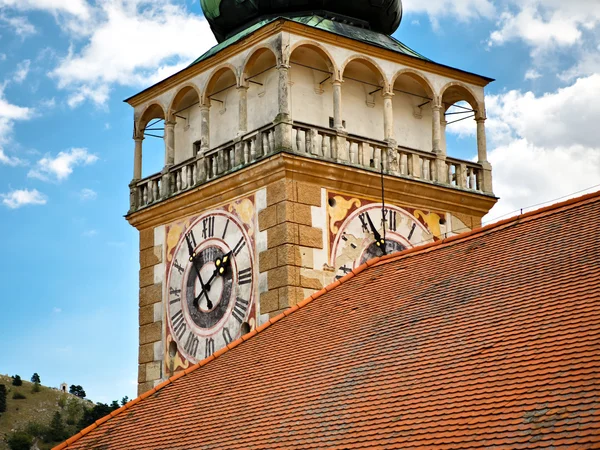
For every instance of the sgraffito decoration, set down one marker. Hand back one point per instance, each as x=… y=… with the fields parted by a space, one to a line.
x=212 y=279
x=361 y=229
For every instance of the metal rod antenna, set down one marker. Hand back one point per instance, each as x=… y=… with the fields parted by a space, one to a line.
x=383 y=218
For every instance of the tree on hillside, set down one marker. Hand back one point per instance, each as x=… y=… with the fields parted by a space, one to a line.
x=2 y=398
x=19 y=440
x=124 y=400
x=56 y=430
x=90 y=415
x=35 y=378
x=16 y=380
x=77 y=391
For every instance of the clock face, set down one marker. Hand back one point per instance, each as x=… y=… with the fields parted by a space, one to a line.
x=361 y=235
x=211 y=282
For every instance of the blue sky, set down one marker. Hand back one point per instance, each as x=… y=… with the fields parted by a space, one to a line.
x=70 y=267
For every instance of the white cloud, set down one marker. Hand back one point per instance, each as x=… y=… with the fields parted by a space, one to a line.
x=21 y=197
x=87 y=194
x=78 y=8
x=48 y=103
x=588 y=63
x=552 y=28
x=2 y=56
x=532 y=74
x=20 y=24
x=543 y=147
x=59 y=168
x=89 y=233
x=132 y=27
x=22 y=71
x=461 y=9
x=56 y=310
x=9 y=114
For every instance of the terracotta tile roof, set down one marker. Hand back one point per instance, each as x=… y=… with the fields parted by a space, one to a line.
x=490 y=339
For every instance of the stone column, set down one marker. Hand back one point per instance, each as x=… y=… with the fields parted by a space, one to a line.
x=204 y=128
x=137 y=158
x=436 y=133
x=283 y=126
x=243 y=109
x=486 y=181
x=481 y=142
x=169 y=143
x=441 y=172
x=388 y=117
x=202 y=162
x=337 y=105
x=283 y=93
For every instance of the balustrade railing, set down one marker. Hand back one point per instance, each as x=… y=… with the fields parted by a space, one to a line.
x=369 y=154
x=204 y=167
x=312 y=141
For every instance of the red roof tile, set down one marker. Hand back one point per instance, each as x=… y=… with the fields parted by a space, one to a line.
x=490 y=339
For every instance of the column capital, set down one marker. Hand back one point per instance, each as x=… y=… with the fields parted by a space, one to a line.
x=204 y=107
x=436 y=106
x=138 y=138
x=480 y=119
x=387 y=94
x=282 y=66
x=337 y=82
x=169 y=123
x=241 y=87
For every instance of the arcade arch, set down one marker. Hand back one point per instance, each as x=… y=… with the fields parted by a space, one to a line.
x=412 y=106
x=261 y=78
x=311 y=74
x=150 y=125
x=184 y=124
x=223 y=101
x=362 y=96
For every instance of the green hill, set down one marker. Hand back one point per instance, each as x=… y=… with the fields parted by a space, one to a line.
x=36 y=410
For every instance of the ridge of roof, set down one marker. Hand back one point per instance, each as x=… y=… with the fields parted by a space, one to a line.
x=554 y=208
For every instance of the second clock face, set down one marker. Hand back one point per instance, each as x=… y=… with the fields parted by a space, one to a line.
x=211 y=283
x=361 y=235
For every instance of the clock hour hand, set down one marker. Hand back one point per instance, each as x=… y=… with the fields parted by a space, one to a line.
x=378 y=240
x=222 y=264
x=205 y=289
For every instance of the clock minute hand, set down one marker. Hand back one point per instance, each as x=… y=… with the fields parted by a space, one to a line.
x=221 y=266
x=378 y=240
x=205 y=289
x=192 y=253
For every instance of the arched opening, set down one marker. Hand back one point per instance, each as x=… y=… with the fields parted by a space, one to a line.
x=411 y=104
x=261 y=76
x=221 y=96
x=151 y=127
x=186 y=115
x=362 y=101
x=311 y=73
x=458 y=127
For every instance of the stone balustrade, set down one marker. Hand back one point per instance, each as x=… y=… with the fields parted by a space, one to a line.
x=314 y=142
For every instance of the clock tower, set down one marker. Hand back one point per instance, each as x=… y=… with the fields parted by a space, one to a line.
x=306 y=142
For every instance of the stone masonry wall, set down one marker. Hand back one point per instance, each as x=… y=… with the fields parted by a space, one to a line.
x=291 y=239
x=150 y=312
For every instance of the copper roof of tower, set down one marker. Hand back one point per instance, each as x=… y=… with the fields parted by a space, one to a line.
x=228 y=17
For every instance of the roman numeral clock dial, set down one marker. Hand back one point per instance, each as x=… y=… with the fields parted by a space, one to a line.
x=211 y=280
x=361 y=235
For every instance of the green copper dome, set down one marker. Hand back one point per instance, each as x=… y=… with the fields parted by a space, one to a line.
x=227 y=17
